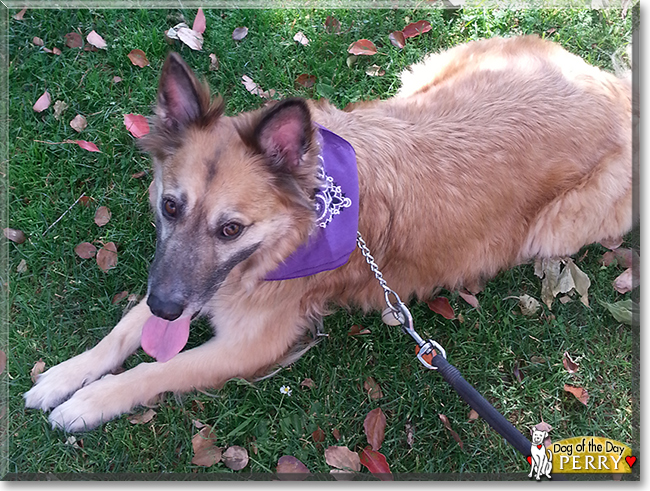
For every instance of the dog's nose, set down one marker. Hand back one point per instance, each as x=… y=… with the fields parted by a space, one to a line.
x=167 y=310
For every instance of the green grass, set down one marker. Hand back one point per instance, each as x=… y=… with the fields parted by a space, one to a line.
x=62 y=306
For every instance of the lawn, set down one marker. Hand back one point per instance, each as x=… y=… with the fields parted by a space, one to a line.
x=60 y=304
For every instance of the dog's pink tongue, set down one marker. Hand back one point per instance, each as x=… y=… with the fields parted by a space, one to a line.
x=164 y=339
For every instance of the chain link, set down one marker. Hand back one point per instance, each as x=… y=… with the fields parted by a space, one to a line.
x=395 y=307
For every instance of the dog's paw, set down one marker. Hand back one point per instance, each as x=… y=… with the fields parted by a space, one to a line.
x=61 y=381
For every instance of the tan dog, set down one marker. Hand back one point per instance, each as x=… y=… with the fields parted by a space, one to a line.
x=492 y=153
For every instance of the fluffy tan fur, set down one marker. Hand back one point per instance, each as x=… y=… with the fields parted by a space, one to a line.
x=493 y=153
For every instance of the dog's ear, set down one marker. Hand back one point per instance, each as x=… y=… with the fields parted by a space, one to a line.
x=179 y=93
x=284 y=133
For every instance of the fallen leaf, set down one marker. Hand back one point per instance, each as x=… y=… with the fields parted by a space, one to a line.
x=206 y=453
x=528 y=305
x=440 y=305
x=416 y=28
x=569 y=364
x=136 y=124
x=255 y=89
x=43 y=102
x=612 y=242
x=627 y=281
x=22 y=266
x=455 y=436
x=374 y=427
x=102 y=216
x=309 y=383
x=581 y=281
x=239 y=33
x=96 y=40
x=578 y=392
x=544 y=426
x=290 y=468
x=342 y=458
x=336 y=434
x=397 y=39
x=332 y=25
x=38 y=41
x=517 y=373
x=375 y=71
x=469 y=298
x=59 y=107
x=473 y=415
x=565 y=299
x=143 y=418
x=537 y=359
x=79 y=123
x=199 y=22
x=362 y=47
x=623 y=311
x=86 y=145
x=306 y=81
x=235 y=458
x=3 y=361
x=117 y=79
x=138 y=58
x=300 y=38
x=376 y=463
x=214 y=62
x=17 y=236
x=107 y=257
x=549 y=271
x=19 y=15
x=119 y=296
x=623 y=257
x=351 y=60
x=183 y=33
x=318 y=435
x=74 y=40
x=85 y=250
x=37 y=369
x=139 y=175
x=410 y=434
x=85 y=201
x=357 y=330
x=373 y=389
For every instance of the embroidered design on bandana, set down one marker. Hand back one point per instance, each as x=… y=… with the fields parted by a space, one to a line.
x=329 y=199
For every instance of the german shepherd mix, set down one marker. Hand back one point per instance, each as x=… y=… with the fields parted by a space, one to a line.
x=492 y=153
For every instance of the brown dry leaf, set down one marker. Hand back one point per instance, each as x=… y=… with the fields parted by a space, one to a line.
x=623 y=257
x=410 y=436
x=332 y=25
x=3 y=361
x=397 y=39
x=183 y=33
x=43 y=102
x=235 y=458
x=373 y=389
x=206 y=453
x=469 y=298
x=416 y=28
x=342 y=458
x=214 y=62
x=612 y=242
x=17 y=236
x=537 y=359
x=239 y=33
x=79 y=123
x=138 y=58
x=362 y=47
x=627 y=281
x=107 y=257
x=96 y=40
x=544 y=426
x=309 y=383
x=440 y=305
x=306 y=81
x=357 y=330
x=117 y=79
x=119 y=296
x=517 y=373
x=102 y=216
x=374 y=427
x=300 y=38
x=85 y=250
x=581 y=281
x=143 y=418
x=549 y=271
x=74 y=40
x=37 y=369
x=375 y=71
x=19 y=15
x=59 y=107
x=318 y=435
x=580 y=393
x=336 y=434
x=473 y=415
x=38 y=41
x=290 y=468
x=569 y=364
x=255 y=89
x=85 y=201
x=445 y=421
x=22 y=266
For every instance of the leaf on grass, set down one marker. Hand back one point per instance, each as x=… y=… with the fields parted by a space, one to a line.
x=578 y=392
x=143 y=418
x=376 y=463
x=342 y=458
x=38 y=41
x=14 y=235
x=235 y=458
x=74 y=40
x=255 y=89
x=373 y=389
x=3 y=361
x=309 y=383
x=549 y=271
x=622 y=311
x=43 y=102
x=375 y=71
x=136 y=124
x=239 y=33
x=362 y=47
x=55 y=50
x=473 y=415
x=199 y=22
x=96 y=40
x=119 y=296
x=517 y=373
x=612 y=242
x=59 y=107
x=86 y=145
x=138 y=58
x=556 y=280
x=455 y=436
x=357 y=330
x=300 y=38
x=37 y=369
x=374 y=427
x=440 y=305
x=102 y=216
x=336 y=434
x=569 y=364
x=287 y=464
x=623 y=257
x=191 y=38
x=19 y=15
x=306 y=81
x=627 y=281
x=528 y=305
x=85 y=250
x=469 y=298
x=22 y=266
x=410 y=434
x=416 y=28
x=318 y=435
x=214 y=62
x=544 y=426
x=107 y=257
x=397 y=39
x=85 y=201
x=581 y=281
x=78 y=123
x=332 y=25
x=117 y=79
x=206 y=453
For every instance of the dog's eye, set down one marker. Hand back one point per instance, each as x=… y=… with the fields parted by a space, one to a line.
x=170 y=207
x=231 y=230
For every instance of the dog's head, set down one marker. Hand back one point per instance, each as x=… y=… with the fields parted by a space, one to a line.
x=228 y=191
x=538 y=436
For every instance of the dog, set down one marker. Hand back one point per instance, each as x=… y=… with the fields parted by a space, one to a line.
x=492 y=153
x=541 y=461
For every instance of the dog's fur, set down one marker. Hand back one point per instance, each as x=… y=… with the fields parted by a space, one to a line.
x=541 y=463
x=492 y=153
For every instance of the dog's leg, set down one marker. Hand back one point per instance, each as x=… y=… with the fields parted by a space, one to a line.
x=59 y=382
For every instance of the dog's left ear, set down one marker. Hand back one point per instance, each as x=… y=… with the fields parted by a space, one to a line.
x=284 y=133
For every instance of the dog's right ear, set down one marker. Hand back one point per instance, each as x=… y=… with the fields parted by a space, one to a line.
x=179 y=94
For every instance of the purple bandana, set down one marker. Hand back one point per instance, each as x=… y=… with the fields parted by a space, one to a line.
x=337 y=209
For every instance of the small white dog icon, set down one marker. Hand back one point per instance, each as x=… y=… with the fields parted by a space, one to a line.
x=541 y=461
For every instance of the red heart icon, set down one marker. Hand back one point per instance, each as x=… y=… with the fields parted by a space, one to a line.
x=630 y=461
x=530 y=460
x=539 y=446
